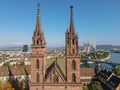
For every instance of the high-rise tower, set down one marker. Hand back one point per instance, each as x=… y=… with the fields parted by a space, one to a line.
x=72 y=53
x=38 y=56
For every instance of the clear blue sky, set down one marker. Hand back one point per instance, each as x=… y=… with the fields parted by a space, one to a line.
x=95 y=19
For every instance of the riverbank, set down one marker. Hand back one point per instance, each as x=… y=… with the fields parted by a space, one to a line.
x=114 y=57
x=105 y=59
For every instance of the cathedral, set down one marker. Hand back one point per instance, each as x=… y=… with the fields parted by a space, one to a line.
x=53 y=78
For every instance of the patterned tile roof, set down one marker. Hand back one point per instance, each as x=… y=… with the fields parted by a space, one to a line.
x=114 y=81
x=87 y=72
x=4 y=71
x=57 y=67
x=105 y=73
x=14 y=70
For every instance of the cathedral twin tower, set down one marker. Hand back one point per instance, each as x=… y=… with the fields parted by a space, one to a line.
x=53 y=78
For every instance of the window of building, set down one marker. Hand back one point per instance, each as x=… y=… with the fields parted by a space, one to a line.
x=50 y=78
x=73 y=51
x=55 y=79
x=68 y=41
x=37 y=42
x=73 y=77
x=37 y=78
x=73 y=41
x=37 y=64
x=73 y=65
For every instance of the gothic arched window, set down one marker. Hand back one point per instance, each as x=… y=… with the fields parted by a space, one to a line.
x=68 y=41
x=73 y=51
x=37 y=78
x=37 y=42
x=73 y=65
x=55 y=79
x=73 y=41
x=73 y=77
x=37 y=64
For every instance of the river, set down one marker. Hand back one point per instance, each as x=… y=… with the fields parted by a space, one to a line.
x=114 y=57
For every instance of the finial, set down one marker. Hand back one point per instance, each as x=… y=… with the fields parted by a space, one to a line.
x=38 y=5
x=71 y=6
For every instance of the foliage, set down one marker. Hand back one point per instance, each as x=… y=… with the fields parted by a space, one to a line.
x=117 y=70
x=98 y=55
x=22 y=63
x=18 y=85
x=6 y=64
x=95 y=86
x=6 y=86
x=17 y=64
x=85 y=88
x=82 y=58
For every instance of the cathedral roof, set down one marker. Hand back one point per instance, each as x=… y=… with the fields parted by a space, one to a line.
x=55 y=66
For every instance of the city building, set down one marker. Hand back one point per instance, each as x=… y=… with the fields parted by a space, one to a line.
x=87 y=48
x=25 y=48
x=109 y=79
x=14 y=72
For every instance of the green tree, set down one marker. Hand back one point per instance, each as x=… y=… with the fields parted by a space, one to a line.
x=117 y=70
x=1 y=86
x=95 y=86
x=6 y=64
x=22 y=63
x=6 y=86
x=85 y=88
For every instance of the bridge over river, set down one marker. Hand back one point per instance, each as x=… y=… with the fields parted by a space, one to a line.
x=113 y=64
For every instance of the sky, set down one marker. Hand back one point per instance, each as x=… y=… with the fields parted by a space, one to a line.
x=97 y=20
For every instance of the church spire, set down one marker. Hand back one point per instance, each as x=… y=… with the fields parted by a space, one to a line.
x=38 y=29
x=72 y=29
x=38 y=37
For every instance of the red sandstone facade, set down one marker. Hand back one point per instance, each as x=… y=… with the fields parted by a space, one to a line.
x=53 y=78
x=72 y=53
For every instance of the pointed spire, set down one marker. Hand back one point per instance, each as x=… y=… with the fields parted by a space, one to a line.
x=38 y=23
x=67 y=30
x=72 y=29
x=38 y=37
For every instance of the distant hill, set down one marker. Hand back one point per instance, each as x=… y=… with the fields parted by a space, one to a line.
x=11 y=48
x=107 y=47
